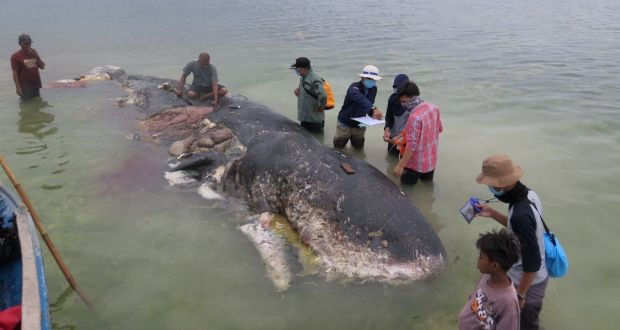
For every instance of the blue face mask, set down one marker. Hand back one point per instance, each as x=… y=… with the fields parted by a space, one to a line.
x=369 y=83
x=496 y=193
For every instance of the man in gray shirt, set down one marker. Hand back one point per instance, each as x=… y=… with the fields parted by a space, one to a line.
x=205 y=84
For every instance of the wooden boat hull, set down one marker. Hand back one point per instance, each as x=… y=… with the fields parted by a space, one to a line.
x=22 y=281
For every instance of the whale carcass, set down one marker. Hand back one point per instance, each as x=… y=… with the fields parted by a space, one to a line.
x=360 y=226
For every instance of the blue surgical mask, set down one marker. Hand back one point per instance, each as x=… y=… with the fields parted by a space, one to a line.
x=495 y=192
x=369 y=83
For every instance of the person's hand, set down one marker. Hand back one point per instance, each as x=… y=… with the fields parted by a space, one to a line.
x=398 y=170
x=214 y=103
x=320 y=109
x=376 y=114
x=296 y=92
x=485 y=210
x=19 y=91
x=178 y=92
x=386 y=136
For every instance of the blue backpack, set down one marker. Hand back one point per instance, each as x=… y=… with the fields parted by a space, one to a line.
x=555 y=257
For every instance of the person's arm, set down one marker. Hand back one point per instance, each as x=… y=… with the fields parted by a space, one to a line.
x=412 y=136
x=389 y=119
x=362 y=105
x=40 y=62
x=489 y=212
x=296 y=91
x=526 y=281
x=15 y=66
x=386 y=134
x=214 y=87
x=400 y=166
x=524 y=226
x=18 y=88
x=375 y=113
x=181 y=84
x=216 y=93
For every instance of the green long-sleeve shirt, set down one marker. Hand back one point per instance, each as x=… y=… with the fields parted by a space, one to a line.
x=307 y=104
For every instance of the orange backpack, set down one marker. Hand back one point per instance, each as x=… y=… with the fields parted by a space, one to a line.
x=331 y=100
x=400 y=142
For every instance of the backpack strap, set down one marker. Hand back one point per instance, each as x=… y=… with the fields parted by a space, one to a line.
x=314 y=96
x=541 y=217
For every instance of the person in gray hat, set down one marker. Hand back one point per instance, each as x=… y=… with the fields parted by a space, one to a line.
x=311 y=96
x=529 y=275
x=26 y=63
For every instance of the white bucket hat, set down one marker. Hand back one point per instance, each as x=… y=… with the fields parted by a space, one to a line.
x=370 y=71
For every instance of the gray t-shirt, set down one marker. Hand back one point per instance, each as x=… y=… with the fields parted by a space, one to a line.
x=490 y=309
x=202 y=76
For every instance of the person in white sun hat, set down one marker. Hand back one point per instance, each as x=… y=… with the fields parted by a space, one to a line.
x=358 y=102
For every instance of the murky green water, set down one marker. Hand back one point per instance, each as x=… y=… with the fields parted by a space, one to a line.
x=536 y=80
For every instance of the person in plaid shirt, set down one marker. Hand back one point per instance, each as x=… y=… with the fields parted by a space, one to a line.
x=422 y=137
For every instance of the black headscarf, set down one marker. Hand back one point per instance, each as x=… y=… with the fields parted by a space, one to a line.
x=515 y=195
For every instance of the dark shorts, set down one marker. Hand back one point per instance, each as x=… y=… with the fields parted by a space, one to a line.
x=313 y=127
x=533 y=305
x=203 y=89
x=411 y=177
x=393 y=149
x=28 y=94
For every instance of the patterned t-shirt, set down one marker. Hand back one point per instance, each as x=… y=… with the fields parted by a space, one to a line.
x=489 y=309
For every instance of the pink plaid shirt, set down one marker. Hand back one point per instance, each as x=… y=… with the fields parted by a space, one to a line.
x=422 y=136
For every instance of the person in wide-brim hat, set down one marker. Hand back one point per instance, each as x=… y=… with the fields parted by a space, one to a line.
x=524 y=218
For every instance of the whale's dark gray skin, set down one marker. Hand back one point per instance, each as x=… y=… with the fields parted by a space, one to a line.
x=361 y=225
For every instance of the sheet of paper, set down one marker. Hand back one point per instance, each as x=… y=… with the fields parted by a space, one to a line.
x=368 y=121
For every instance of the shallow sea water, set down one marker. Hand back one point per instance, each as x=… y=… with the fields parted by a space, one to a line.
x=538 y=81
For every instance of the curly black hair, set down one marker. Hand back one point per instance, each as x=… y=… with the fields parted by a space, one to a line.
x=500 y=246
